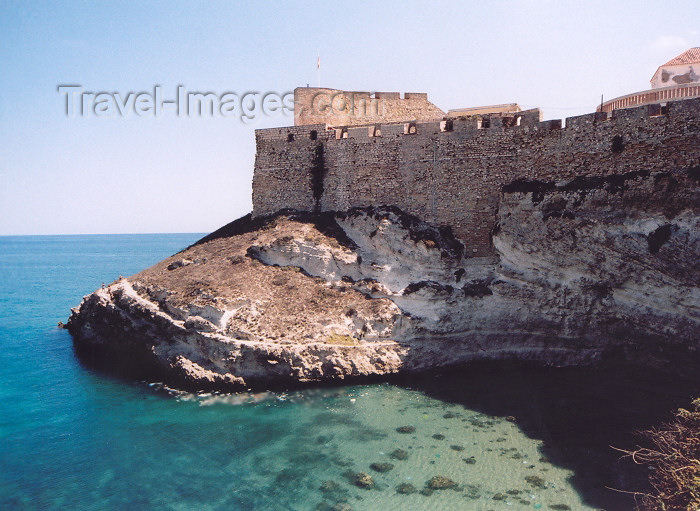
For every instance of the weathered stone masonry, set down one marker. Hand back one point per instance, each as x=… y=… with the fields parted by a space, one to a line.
x=351 y=108
x=451 y=172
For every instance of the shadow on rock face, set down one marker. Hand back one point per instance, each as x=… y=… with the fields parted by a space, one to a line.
x=577 y=412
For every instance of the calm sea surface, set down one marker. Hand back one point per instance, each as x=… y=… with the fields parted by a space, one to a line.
x=75 y=439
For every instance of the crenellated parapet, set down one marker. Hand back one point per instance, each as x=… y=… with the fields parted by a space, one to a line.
x=467 y=124
x=450 y=170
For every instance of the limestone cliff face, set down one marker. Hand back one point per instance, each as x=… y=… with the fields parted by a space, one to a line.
x=582 y=270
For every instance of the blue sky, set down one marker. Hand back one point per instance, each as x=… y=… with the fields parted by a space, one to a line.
x=129 y=174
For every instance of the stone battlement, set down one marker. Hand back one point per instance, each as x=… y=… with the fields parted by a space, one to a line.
x=450 y=171
x=468 y=124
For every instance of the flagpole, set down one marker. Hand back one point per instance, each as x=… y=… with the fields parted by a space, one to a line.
x=318 y=69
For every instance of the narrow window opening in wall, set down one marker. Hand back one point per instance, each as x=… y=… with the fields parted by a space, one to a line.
x=313 y=135
x=555 y=124
x=409 y=128
x=617 y=144
x=447 y=125
x=509 y=122
x=290 y=137
x=485 y=123
x=664 y=108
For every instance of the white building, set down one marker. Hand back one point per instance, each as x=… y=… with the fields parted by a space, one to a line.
x=682 y=70
x=679 y=78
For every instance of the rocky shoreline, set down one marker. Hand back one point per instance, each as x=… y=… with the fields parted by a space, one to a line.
x=582 y=271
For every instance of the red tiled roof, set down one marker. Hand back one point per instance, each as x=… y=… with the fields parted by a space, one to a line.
x=691 y=56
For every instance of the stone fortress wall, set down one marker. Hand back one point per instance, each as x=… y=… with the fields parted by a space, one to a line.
x=451 y=172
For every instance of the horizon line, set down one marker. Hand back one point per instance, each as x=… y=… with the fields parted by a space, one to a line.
x=103 y=234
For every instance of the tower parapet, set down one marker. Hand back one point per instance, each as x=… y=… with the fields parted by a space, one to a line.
x=334 y=107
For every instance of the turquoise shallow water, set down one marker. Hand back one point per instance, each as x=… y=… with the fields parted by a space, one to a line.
x=73 y=438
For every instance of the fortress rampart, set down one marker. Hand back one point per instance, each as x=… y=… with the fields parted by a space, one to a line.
x=451 y=172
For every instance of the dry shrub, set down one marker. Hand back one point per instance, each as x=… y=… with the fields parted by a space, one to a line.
x=674 y=463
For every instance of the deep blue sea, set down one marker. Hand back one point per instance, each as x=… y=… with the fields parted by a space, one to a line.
x=72 y=438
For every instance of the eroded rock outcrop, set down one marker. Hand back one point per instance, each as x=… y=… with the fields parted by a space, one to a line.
x=581 y=270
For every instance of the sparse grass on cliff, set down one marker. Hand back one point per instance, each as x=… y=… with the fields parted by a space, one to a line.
x=674 y=462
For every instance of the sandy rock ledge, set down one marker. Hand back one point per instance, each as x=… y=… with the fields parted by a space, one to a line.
x=582 y=272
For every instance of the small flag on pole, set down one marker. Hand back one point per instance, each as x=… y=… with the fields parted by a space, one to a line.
x=318 y=69
x=318 y=62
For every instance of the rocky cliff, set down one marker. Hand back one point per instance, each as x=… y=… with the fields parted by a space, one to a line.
x=585 y=270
